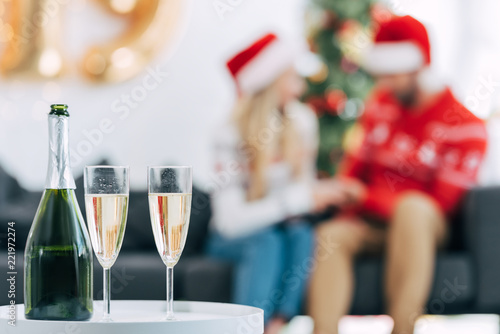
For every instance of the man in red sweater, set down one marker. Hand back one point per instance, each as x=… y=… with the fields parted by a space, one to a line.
x=419 y=153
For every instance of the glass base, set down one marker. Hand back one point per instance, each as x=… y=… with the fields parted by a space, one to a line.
x=106 y=319
x=170 y=317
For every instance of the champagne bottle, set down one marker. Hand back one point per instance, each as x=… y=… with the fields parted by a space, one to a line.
x=58 y=272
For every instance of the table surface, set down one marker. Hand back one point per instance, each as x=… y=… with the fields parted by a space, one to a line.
x=141 y=316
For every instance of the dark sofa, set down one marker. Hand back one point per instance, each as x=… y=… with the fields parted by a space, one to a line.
x=467 y=273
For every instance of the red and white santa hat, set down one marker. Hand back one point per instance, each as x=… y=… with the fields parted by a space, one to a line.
x=401 y=45
x=258 y=65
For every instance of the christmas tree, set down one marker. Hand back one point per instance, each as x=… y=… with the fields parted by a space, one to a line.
x=338 y=32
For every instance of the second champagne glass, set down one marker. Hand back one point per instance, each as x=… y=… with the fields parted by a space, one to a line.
x=106 y=203
x=170 y=209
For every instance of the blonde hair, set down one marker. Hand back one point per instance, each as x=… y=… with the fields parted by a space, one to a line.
x=255 y=117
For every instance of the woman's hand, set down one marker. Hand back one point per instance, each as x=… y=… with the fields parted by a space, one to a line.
x=339 y=191
x=354 y=189
x=328 y=192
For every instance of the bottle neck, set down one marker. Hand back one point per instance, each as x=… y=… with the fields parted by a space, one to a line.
x=59 y=172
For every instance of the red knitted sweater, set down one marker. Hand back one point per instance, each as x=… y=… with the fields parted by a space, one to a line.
x=437 y=151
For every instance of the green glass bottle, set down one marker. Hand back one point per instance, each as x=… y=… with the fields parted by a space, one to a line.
x=58 y=256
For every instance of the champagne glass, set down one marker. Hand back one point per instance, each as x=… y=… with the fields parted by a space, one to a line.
x=106 y=202
x=169 y=189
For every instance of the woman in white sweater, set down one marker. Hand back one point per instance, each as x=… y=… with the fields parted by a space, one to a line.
x=266 y=155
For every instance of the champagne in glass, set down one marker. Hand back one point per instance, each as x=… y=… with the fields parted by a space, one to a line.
x=169 y=191
x=106 y=202
x=170 y=221
x=106 y=218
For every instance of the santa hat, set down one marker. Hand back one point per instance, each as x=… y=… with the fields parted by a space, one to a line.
x=257 y=66
x=401 y=46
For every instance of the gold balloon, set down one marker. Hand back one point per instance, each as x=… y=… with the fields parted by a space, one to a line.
x=6 y=31
x=33 y=49
x=152 y=24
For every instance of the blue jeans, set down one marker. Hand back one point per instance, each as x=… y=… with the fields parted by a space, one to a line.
x=272 y=267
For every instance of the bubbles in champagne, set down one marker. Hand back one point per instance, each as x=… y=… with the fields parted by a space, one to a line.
x=170 y=215
x=106 y=218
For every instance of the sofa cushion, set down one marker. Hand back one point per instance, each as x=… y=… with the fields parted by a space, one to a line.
x=481 y=233
x=22 y=213
x=10 y=190
x=201 y=213
x=143 y=276
x=208 y=279
x=453 y=291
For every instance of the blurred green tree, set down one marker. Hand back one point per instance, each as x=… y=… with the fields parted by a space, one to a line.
x=338 y=32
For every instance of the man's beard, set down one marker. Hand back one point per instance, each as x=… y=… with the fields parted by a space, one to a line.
x=407 y=99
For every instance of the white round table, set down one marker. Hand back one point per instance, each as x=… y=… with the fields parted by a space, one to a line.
x=144 y=317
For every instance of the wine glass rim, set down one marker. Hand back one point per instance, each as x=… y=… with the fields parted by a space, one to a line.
x=171 y=167
x=107 y=166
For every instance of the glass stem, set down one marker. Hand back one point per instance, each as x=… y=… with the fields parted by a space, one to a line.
x=170 y=293
x=107 y=292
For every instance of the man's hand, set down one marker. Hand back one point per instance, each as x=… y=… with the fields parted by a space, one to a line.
x=328 y=192
x=354 y=190
x=339 y=191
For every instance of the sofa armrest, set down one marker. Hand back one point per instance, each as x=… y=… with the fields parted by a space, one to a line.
x=482 y=240
x=208 y=279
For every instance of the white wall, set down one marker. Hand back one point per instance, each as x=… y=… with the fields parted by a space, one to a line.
x=171 y=125
x=465 y=46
